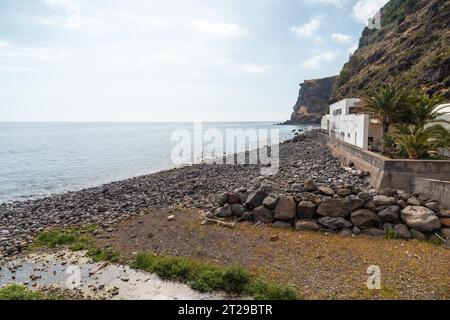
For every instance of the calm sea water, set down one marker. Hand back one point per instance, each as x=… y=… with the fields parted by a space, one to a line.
x=38 y=159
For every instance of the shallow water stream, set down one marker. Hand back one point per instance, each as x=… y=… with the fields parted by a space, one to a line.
x=70 y=270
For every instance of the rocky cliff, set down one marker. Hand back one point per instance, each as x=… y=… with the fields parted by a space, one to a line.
x=313 y=100
x=412 y=50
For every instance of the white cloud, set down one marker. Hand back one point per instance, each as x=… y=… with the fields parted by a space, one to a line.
x=4 y=44
x=218 y=29
x=307 y=30
x=339 y=37
x=365 y=9
x=255 y=68
x=337 y=3
x=314 y=62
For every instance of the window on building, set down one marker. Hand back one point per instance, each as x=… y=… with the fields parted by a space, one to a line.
x=337 y=112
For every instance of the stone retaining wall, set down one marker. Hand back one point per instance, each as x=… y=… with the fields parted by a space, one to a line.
x=437 y=189
x=388 y=173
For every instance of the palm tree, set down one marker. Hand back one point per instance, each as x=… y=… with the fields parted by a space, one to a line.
x=419 y=141
x=426 y=109
x=388 y=104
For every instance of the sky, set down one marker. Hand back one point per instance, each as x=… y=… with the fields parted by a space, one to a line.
x=169 y=60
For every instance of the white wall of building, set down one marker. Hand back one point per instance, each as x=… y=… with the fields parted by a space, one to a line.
x=351 y=128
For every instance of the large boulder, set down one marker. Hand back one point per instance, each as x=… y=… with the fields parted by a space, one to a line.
x=373 y=232
x=310 y=185
x=237 y=210
x=357 y=203
x=364 y=218
x=282 y=225
x=286 y=209
x=381 y=200
x=390 y=214
x=308 y=196
x=327 y=191
x=335 y=223
x=420 y=218
x=263 y=214
x=306 y=210
x=307 y=225
x=332 y=207
x=255 y=199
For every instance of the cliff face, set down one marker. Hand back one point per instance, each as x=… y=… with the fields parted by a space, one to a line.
x=313 y=100
x=411 y=50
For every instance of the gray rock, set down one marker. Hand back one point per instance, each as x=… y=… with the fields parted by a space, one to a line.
x=255 y=199
x=307 y=196
x=332 y=207
x=370 y=205
x=373 y=232
x=381 y=200
x=365 y=196
x=271 y=202
x=310 y=185
x=364 y=218
x=263 y=214
x=223 y=212
x=222 y=199
x=344 y=192
x=402 y=232
x=418 y=235
x=286 y=209
x=326 y=191
x=306 y=210
x=237 y=210
x=233 y=198
x=356 y=230
x=390 y=214
x=413 y=201
x=446 y=233
x=334 y=223
x=282 y=225
x=433 y=206
x=444 y=213
x=420 y=218
x=357 y=203
x=307 y=225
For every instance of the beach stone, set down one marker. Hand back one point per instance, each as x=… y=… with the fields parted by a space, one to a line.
x=433 y=206
x=373 y=232
x=307 y=225
x=364 y=218
x=306 y=210
x=263 y=215
x=333 y=207
x=282 y=225
x=308 y=196
x=381 y=200
x=222 y=199
x=444 y=213
x=334 y=223
x=446 y=233
x=237 y=210
x=390 y=214
x=344 y=192
x=402 y=204
x=310 y=185
x=413 y=201
x=356 y=230
x=402 y=232
x=420 y=218
x=445 y=222
x=326 y=191
x=418 y=235
x=223 y=212
x=271 y=202
x=286 y=209
x=370 y=205
x=365 y=196
x=255 y=199
x=357 y=203
x=233 y=198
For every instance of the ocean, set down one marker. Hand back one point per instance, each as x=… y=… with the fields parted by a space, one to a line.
x=40 y=159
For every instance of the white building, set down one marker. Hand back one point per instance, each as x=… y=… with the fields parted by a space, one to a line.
x=354 y=128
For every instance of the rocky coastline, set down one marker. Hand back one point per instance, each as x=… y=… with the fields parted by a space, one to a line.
x=305 y=182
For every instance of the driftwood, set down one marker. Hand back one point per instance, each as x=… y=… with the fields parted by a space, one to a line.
x=218 y=222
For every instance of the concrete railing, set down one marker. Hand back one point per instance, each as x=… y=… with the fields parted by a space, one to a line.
x=384 y=172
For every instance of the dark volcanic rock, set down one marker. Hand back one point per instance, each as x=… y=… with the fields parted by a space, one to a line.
x=263 y=214
x=333 y=207
x=335 y=223
x=364 y=218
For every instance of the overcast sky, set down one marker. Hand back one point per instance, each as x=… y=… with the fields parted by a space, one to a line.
x=169 y=60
